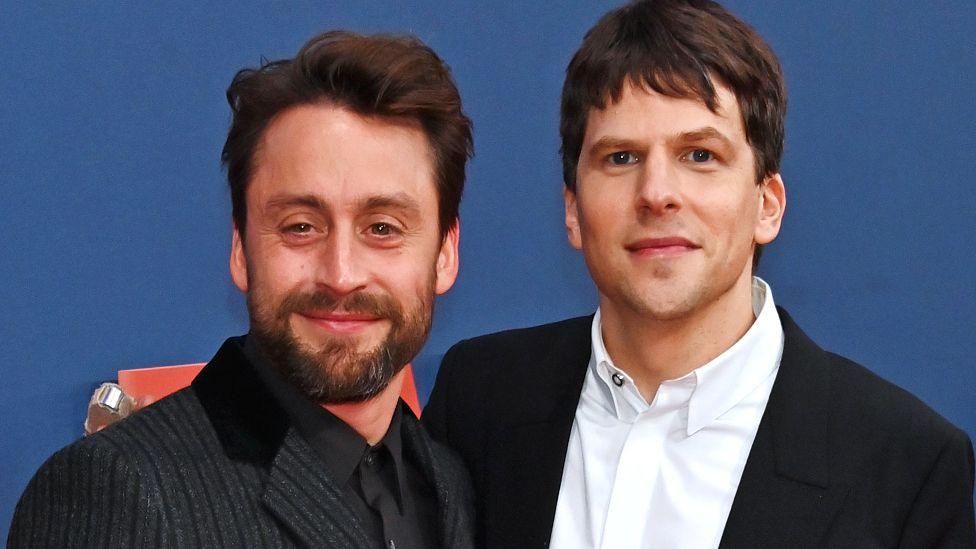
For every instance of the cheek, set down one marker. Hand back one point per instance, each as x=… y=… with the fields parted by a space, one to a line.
x=599 y=215
x=404 y=269
x=749 y=215
x=720 y=215
x=275 y=272
x=729 y=221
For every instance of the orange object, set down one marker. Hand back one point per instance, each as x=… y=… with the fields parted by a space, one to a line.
x=152 y=384
x=409 y=390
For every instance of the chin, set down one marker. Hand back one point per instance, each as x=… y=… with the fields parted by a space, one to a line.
x=666 y=312
x=664 y=303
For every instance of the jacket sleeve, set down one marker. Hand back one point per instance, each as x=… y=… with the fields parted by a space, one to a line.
x=86 y=495
x=942 y=515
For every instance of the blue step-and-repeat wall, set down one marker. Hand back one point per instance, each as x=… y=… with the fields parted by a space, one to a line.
x=115 y=225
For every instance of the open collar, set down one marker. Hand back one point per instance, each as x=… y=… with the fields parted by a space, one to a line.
x=710 y=390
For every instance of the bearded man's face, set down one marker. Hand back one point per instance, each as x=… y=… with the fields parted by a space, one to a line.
x=341 y=254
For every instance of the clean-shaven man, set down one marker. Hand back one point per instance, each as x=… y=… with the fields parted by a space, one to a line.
x=346 y=166
x=689 y=411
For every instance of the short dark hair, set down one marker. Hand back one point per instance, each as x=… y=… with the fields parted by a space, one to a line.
x=677 y=48
x=372 y=75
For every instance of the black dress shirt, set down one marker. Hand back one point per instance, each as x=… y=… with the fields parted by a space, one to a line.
x=382 y=484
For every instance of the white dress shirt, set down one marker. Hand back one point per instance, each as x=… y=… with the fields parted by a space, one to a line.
x=663 y=474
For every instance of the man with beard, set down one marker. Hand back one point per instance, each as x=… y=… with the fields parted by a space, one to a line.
x=688 y=411
x=345 y=166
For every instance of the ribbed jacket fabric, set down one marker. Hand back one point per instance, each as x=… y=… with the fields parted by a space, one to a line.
x=215 y=465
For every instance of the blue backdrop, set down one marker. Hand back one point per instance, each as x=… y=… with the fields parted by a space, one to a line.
x=115 y=219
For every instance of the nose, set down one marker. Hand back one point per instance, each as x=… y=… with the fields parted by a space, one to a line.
x=341 y=267
x=658 y=189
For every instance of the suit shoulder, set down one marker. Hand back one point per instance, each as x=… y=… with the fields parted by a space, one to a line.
x=496 y=368
x=532 y=334
x=110 y=477
x=880 y=405
x=168 y=430
x=903 y=460
x=532 y=343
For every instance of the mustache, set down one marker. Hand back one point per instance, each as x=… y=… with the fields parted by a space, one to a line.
x=359 y=302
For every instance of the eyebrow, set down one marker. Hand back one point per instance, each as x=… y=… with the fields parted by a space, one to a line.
x=704 y=134
x=279 y=202
x=399 y=200
x=610 y=142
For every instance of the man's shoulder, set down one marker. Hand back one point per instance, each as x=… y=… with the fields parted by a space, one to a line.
x=117 y=474
x=877 y=407
x=502 y=366
x=901 y=462
x=153 y=434
x=166 y=435
x=521 y=345
x=857 y=398
x=502 y=374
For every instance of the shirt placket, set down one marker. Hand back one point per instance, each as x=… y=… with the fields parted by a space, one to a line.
x=629 y=517
x=377 y=496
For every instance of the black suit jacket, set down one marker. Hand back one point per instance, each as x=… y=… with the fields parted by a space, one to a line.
x=842 y=458
x=215 y=465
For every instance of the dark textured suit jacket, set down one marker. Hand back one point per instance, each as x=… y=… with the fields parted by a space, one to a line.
x=841 y=459
x=215 y=465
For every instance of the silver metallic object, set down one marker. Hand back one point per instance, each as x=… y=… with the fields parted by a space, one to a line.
x=107 y=405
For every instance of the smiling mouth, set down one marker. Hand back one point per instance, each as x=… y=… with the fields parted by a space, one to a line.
x=661 y=247
x=341 y=323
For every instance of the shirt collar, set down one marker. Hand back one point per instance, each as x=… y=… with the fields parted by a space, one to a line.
x=337 y=444
x=710 y=390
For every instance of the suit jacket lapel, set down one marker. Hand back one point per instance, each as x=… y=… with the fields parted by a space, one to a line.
x=254 y=431
x=451 y=485
x=523 y=486
x=786 y=497
x=307 y=501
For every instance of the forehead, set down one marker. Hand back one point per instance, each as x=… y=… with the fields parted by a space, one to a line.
x=643 y=111
x=341 y=157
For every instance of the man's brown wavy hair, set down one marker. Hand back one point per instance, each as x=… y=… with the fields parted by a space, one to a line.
x=371 y=75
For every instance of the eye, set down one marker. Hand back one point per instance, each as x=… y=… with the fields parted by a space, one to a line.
x=382 y=229
x=299 y=228
x=700 y=156
x=622 y=158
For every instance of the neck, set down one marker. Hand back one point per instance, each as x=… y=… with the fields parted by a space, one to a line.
x=652 y=350
x=371 y=418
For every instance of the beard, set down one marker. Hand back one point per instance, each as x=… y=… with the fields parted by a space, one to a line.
x=337 y=371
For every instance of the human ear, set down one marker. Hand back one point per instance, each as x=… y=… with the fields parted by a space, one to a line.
x=238 y=261
x=572 y=219
x=448 y=259
x=772 y=206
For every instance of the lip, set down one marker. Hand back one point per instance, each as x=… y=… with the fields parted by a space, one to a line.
x=668 y=246
x=341 y=322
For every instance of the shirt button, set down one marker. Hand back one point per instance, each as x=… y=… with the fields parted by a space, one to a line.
x=618 y=379
x=370 y=459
